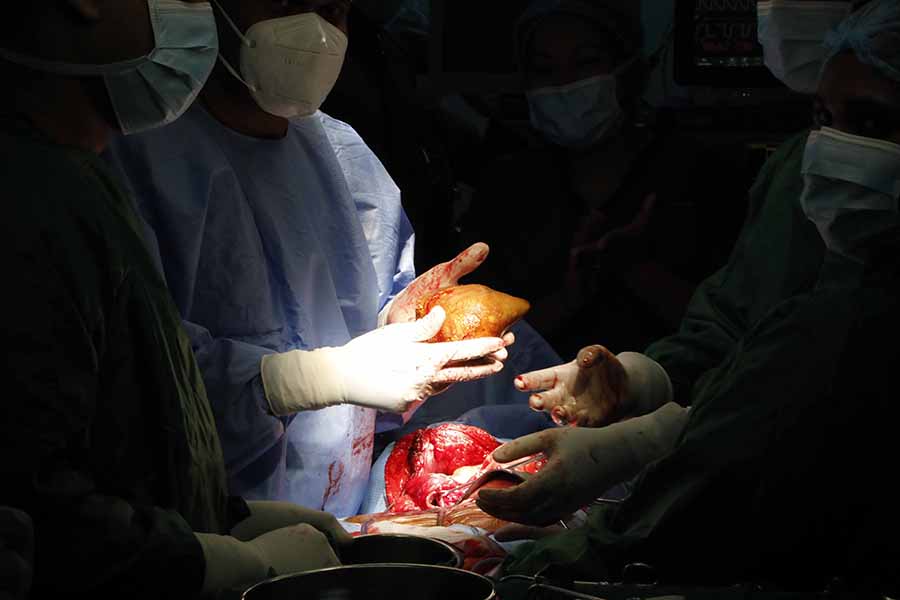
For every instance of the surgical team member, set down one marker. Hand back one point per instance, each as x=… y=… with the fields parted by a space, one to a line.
x=601 y=199
x=778 y=255
x=107 y=439
x=284 y=244
x=778 y=475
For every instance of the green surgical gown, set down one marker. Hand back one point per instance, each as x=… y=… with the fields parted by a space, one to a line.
x=778 y=255
x=108 y=439
x=784 y=473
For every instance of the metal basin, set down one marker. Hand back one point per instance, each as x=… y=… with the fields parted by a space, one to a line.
x=376 y=582
x=396 y=548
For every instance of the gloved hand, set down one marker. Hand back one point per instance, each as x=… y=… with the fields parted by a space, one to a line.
x=389 y=369
x=16 y=553
x=402 y=309
x=582 y=464
x=598 y=388
x=266 y=516
x=516 y=532
x=231 y=562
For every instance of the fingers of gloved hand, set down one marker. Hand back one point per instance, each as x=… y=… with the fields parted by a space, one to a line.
x=542 y=441
x=472 y=371
x=466 y=261
x=266 y=516
x=329 y=526
x=444 y=275
x=541 y=514
x=421 y=330
x=15 y=574
x=540 y=501
x=543 y=379
x=509 y=338
x=502 y=355
x=591 y=356
x=447 y=353
x=548 y=400
x=517 y=532
x=527 y=503
x=295 y=549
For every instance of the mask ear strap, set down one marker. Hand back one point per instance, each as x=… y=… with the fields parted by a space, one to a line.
x=70 y=69
x=236 y=75
x=246 y=42
x=235 y=28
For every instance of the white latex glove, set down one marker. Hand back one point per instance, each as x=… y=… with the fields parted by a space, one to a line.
x=266 y=516
x=231 y=563
x=389 y=369
x=16 y=553
x=582 y=464
x=402 y=309
x=598 y=388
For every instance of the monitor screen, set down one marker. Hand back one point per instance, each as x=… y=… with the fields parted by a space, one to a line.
x=716 y=44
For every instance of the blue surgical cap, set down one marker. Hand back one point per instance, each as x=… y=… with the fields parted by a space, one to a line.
x=622 y=17
x=873 y=34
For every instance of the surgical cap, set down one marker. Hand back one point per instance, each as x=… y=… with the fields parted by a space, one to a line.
x=873 y=34
x=622 y=17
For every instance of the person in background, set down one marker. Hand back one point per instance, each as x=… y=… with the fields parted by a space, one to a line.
x=803 y=403
x=778 y=255
x=622 y=219
x=288 y=253
x=107 y=439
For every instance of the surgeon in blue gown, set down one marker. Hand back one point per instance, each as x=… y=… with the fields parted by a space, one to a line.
x=282 y=238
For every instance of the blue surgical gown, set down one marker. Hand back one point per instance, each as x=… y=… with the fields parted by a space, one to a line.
x=265 y=247
x=275 y=245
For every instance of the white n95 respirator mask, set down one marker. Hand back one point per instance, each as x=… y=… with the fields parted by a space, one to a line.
x=579 y=114
x=291 y=64
x=792 y=34
x=152 y=90
x=852 y=189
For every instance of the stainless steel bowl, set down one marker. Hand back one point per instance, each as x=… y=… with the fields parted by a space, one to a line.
x=376 y=582
x=397 y=548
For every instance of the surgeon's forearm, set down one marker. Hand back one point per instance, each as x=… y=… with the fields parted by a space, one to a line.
x=643 y=440
x=302 y=380
x=649 y=386
x=229 y=563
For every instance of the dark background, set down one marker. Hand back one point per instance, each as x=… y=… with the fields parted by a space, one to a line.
x=394 y=83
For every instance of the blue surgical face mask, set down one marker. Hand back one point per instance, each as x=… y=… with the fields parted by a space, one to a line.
x=792 y=33
x=153 y=90
x=579 y=114
x=852 y=189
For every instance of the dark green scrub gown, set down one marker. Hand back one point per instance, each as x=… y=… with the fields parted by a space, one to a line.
x=108 y=441
x=785 y=470
x=778 y=255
